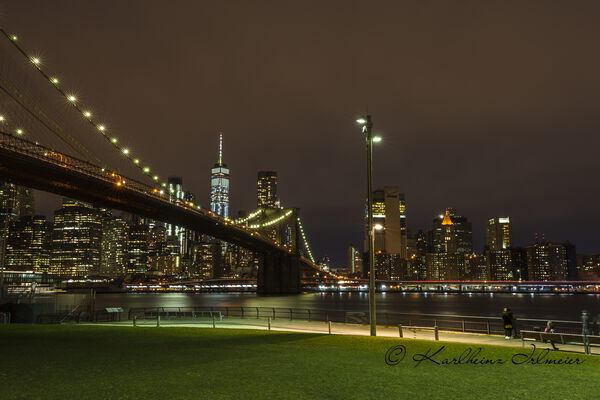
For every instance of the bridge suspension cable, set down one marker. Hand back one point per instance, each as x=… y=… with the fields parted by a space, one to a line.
x=85 y=113
x=272 y=221
x=305 y=241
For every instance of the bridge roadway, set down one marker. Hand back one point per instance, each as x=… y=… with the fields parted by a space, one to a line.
x=29 y=164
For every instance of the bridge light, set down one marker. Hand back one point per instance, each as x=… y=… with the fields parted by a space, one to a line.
x=125 y=151
x=19 y=131
x=114 y=140
x=72 y=98
x=377 y=139
x=102 y=128
x=136 y=161
x=163 y=184
x=361 y=121
x=118 y=183
x=146 y=169
x=36 y=60
x=14 y=38
x=54 y=80
x=87 y=114
x=378 y=227
x=1 y=118
x=155 y=177
x=162 y=192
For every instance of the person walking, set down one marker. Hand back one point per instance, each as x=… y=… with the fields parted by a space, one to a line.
x=508 y=320
x=550 y=329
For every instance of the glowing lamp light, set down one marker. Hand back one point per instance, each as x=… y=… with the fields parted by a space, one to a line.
x=155 y=177
x=136 y=161
x=361 y=121
x=146 y=169
x=377 y=139
x=72 y=98
x=87 y=114
x=1 y=118
x=102 y=128
x=36 y=60
x=114 y=140
x=377 y=227
x=54 y=80
x=14 y=38
x=163 y=184
x=19 y=131
x=125 y=151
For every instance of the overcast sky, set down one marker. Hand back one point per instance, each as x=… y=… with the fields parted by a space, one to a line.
x=490 y=107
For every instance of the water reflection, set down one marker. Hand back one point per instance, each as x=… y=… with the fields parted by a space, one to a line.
x=541 y=305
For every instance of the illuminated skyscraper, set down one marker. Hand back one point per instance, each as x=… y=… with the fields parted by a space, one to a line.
x=391 y=252
x=219 y=185
x=27 y=244
x=498 y=234
x=114 y=246
x=267 y=190
x=76 y=239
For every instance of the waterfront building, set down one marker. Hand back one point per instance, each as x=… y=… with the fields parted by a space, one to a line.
x=138 y=243
x=498 y=236
x=27 y=245
x=450 y=243
x=391 y=252
x=15 y=201
x=547 y=261
x=355 y=262
x=76 y=239
x=267 y=190
x=114 y=254
x=219 y=185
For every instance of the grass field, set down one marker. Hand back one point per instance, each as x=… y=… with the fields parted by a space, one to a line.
x=95 y=362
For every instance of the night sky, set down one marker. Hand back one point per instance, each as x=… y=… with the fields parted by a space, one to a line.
x=490 y=107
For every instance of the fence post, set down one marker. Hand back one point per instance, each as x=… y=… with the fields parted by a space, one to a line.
x=242 y=311
x=489 y=331
x=273 y=312
x=463 y=325
x=269 y=323
x=135 y=320
x=329 y=326
x=400 y=331
x=308 y=315
x=213 y=318
x=157 y=320
x=437 y=335
x=257 y=313
x=291 y=314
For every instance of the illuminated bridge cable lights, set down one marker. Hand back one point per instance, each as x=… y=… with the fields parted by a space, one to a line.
x=310 y=255
x=249 y=217
x=73 y=100
x=272 y=222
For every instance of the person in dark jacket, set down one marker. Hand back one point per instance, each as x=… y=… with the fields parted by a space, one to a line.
x=508 y=320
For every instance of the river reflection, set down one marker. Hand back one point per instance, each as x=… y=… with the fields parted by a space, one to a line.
x=547 y=306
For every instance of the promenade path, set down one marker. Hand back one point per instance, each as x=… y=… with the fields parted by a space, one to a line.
x=281 y=324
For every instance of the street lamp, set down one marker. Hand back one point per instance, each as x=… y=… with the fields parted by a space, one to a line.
x=367 y=128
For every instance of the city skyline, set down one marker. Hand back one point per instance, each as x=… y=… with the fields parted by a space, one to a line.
x=478 y=129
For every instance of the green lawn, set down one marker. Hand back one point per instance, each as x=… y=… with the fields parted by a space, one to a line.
x=95 y=362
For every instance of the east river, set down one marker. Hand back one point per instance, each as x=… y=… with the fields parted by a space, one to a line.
x=545 y=306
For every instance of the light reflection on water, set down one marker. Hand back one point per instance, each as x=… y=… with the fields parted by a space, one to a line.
x=542 y=305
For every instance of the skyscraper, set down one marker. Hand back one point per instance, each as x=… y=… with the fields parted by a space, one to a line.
x=498 y=250
x=267 y=190
x=498 y=233
x=114 y=246
x=76 y=239
x=450 y=243
x=389 y=210
x=219 y=185
x=27 y=245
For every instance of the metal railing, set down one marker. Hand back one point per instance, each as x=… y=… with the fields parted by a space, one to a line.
x=456 y=323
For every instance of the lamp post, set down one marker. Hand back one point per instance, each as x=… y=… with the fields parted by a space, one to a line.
x=367 y=128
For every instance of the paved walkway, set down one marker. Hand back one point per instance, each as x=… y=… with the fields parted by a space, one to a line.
x=345 y=329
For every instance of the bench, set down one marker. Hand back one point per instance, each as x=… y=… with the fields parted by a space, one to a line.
x=562 y=338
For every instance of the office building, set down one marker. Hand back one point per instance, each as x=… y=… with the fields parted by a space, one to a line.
x=76 y=239
x=219 y=185
x=28 y=244
x=267 y=190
